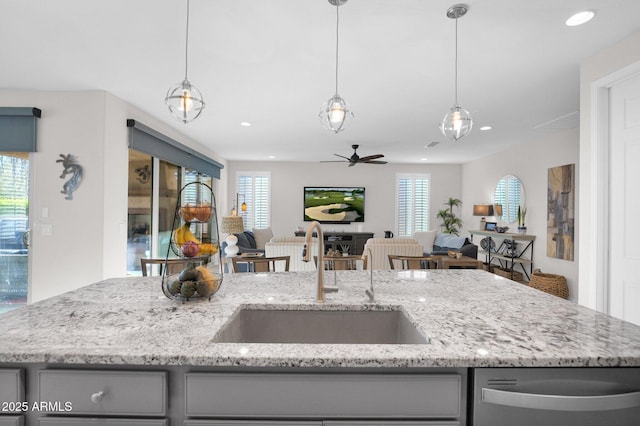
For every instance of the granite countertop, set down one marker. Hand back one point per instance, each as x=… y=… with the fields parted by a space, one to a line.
x=474 y=319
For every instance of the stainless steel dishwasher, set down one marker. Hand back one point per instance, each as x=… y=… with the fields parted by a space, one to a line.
x=556 y=396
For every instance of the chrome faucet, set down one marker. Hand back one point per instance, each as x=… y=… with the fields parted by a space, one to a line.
x=306 y=256
x=370 y=292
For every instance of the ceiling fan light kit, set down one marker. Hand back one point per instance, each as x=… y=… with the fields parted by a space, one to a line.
x=457 y=122
x=336 y=113
x=184 y=100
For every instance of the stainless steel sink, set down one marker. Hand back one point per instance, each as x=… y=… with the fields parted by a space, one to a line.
x=250 y=325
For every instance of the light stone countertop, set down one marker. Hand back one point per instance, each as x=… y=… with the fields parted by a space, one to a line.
x=474 y=319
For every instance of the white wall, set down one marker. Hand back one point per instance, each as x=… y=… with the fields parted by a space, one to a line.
x=289 y=179
x=529 y=162
x=604 y=64
x=89 y=232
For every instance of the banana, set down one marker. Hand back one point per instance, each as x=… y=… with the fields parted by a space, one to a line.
x=207 y=248
x=209 y=277
x=184 y=234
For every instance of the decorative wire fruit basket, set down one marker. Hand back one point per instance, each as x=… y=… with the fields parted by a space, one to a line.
x=193 y=266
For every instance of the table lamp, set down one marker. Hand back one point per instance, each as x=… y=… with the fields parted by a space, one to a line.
x=231 y=225
x=483 y=210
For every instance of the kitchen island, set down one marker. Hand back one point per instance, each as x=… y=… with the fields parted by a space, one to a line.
x=473 y=320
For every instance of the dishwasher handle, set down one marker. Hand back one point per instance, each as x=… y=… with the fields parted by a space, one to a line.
x=561 y=402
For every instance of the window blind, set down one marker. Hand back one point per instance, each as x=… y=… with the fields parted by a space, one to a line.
x=149 y=141
x=18 y=129
x=412 y=203
x=254 y=188
x=507 y=194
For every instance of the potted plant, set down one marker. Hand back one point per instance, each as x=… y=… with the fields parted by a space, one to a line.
x=522 y=213
x=450 y=222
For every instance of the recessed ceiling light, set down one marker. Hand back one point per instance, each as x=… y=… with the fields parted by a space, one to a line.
x=486 y=128
x=424 y=159
x=245 y=124
x=272 y=157
x=580 y=18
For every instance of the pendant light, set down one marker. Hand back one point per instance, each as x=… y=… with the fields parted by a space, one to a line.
x=184 y=100
x=457 y=122
x=336 y=113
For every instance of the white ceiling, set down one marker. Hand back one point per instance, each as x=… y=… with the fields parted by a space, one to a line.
x=271 y=62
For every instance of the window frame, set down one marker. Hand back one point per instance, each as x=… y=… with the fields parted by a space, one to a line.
x=249 y=196
x=422 y=214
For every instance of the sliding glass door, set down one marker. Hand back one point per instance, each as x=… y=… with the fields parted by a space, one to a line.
x=154 y=185
x=14 y=229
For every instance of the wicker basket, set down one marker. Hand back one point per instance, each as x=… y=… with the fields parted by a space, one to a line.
x=550 y=283
x=517 y=276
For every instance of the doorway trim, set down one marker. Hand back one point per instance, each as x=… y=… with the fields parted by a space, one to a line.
x=600 y=171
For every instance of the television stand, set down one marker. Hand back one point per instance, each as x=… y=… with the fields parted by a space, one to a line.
x=346 y=242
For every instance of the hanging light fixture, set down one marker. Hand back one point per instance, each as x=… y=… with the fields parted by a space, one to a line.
x=184 y=100
x=457 y=122
x=336 y=113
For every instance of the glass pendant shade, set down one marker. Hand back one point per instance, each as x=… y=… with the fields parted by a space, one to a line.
x=185 y=101
x=456 y=123
x=336 y=114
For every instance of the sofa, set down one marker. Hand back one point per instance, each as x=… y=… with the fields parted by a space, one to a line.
x=292 y=247
x=439 y=243
x=251 y=241
x=377 y=250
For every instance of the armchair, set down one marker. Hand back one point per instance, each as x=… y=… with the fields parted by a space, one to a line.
x=381 y=248
x=292 y=247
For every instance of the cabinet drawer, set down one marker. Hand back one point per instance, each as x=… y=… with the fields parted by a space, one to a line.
x=11 y=421
x=323 y=395
x=120 y=393
x=59 y=421
x=388 y=423
x=248 y=423
x=11 y=387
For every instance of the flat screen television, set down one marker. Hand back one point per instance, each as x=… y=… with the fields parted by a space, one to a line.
x=334 y=204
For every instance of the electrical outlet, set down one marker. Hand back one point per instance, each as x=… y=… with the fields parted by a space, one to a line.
x=46 y=230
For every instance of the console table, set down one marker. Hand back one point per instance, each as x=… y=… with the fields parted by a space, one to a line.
x=345 y=242
x=502 y=247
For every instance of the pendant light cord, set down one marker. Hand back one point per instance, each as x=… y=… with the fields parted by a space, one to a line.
x=337 y=39
x=456 y=65
x=186 y=46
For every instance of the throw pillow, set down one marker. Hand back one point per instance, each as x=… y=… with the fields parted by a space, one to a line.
x=449 y=241
x=243 y=241
x=262 y=237
x=426 y=239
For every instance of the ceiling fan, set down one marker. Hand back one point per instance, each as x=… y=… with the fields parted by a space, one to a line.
x=355 y=158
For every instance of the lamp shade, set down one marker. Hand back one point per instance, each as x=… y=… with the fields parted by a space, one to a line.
x=498 y=209
x=232 y=225
x=483 y=210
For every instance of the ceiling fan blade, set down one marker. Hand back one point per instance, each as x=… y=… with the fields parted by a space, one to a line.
x=374 y=162
x=370 y=157
x=342 y=156
x=333 y=161
x=351 y=163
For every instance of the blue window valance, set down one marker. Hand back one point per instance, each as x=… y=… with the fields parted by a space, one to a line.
x=18 y=129
x=154 y=143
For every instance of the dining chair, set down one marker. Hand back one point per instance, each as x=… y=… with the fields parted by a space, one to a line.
x=413 y=262
x=174 y=266
x=344 y=263
x=262 y=264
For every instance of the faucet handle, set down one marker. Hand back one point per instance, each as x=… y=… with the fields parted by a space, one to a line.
x=304 y=250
